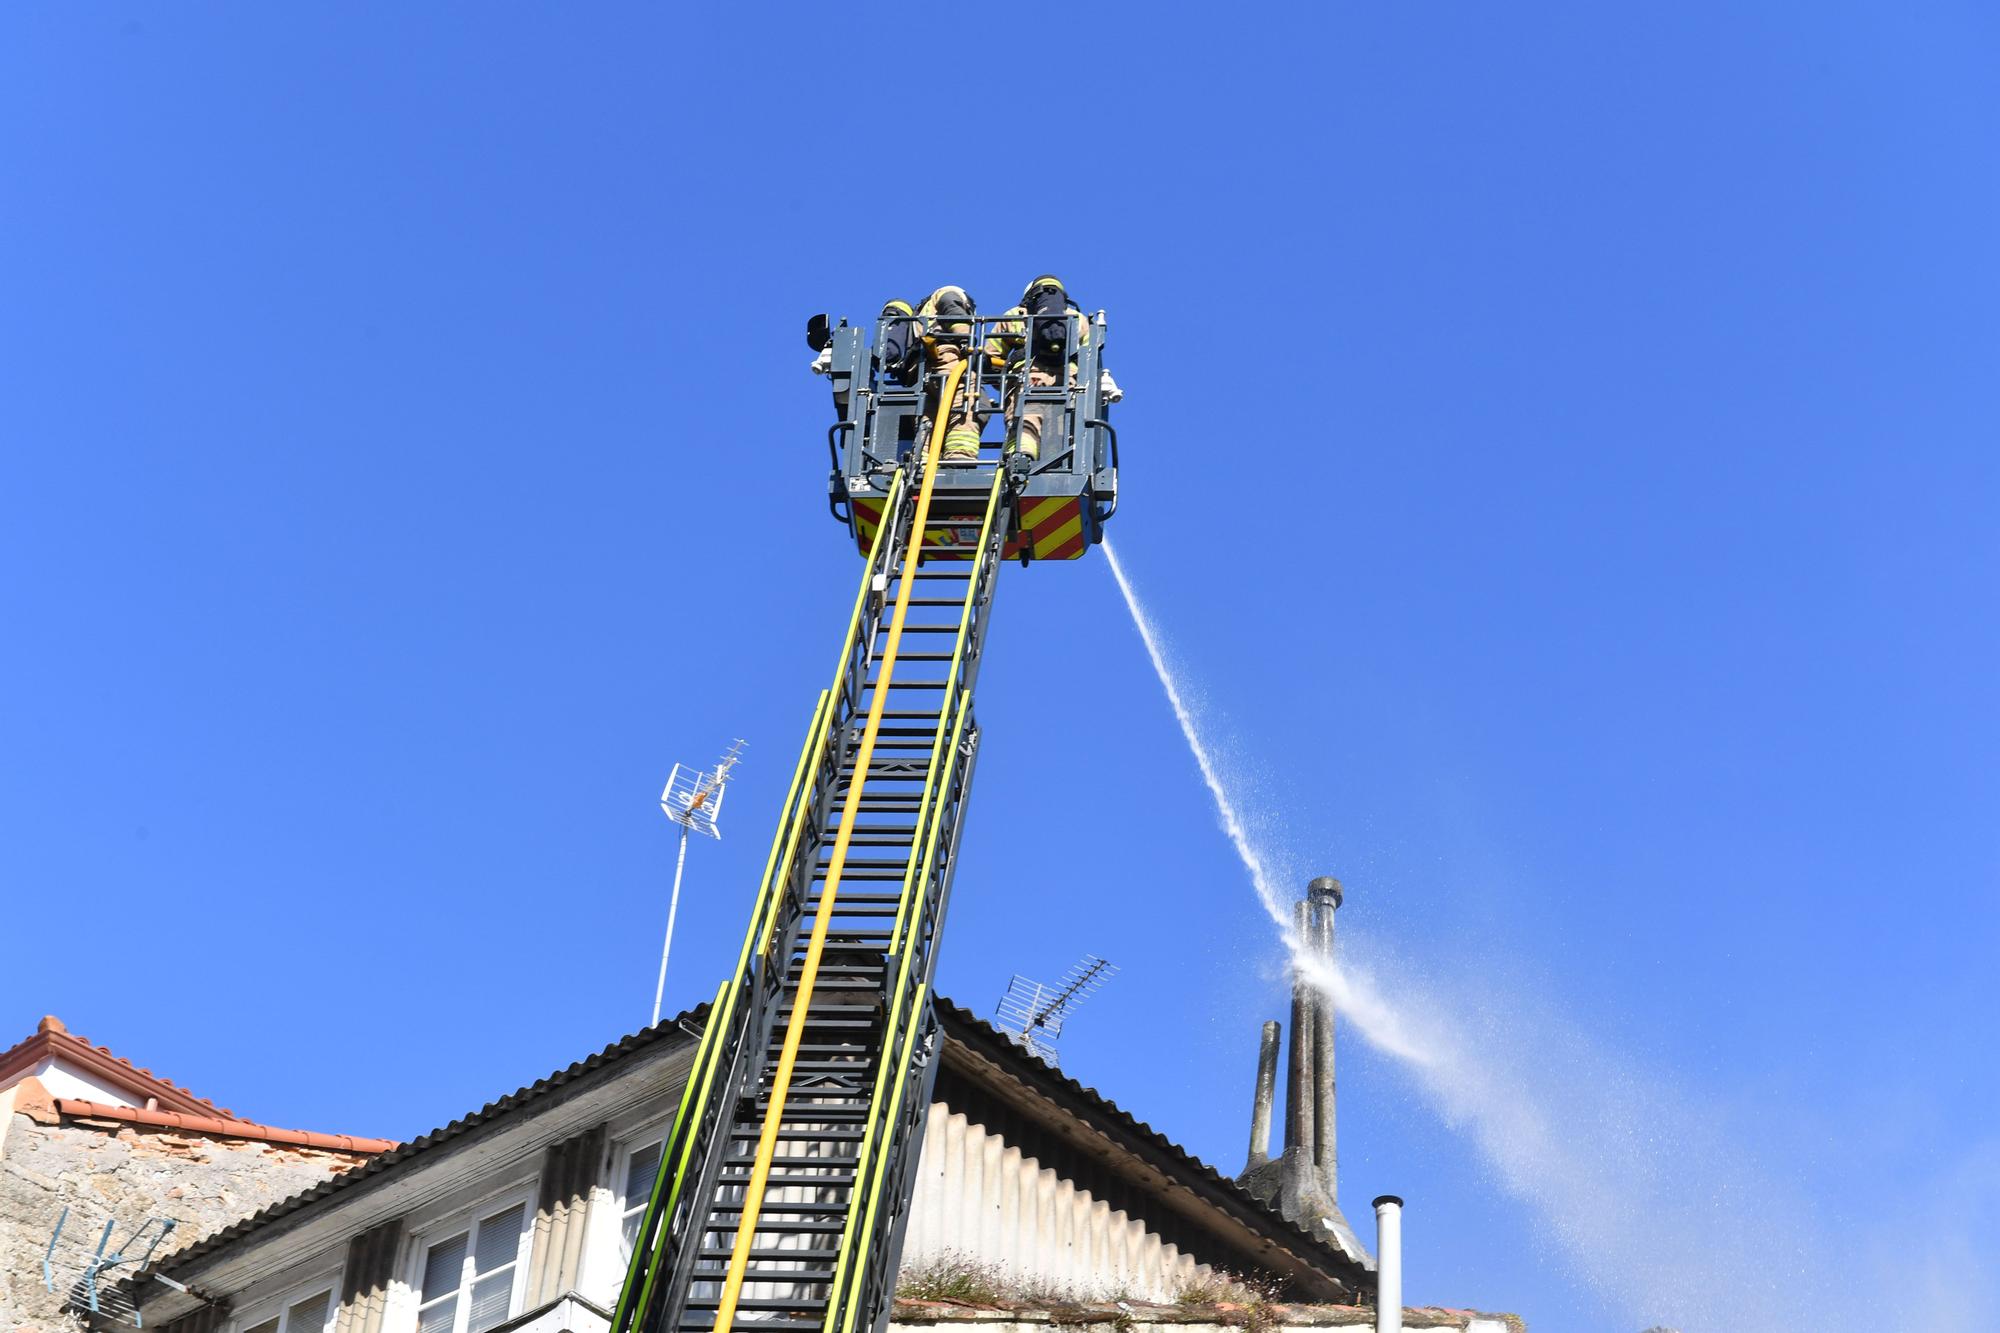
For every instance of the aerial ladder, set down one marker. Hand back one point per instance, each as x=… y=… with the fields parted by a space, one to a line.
x=785 y=1181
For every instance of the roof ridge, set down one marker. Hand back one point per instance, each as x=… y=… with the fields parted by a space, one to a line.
x=53 y=1036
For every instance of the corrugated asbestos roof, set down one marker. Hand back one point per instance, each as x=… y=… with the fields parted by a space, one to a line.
x=977 y=1033
x=959 y=1023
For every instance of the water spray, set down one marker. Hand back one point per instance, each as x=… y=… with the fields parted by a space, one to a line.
x=1637 y=1187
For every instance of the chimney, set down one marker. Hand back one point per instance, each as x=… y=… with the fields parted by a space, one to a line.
x=1260 y=1110
x=1324 y=895
x=1301 y=1112
x=1301 y=1183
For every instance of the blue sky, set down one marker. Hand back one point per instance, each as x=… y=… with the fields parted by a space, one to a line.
x=1559 y=451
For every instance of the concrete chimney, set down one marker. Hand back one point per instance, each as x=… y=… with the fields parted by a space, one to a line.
x=1302 y=1182
x=1324 y=897
x=1388 y=1264
x=1267 y=1086
x=1301 y=1109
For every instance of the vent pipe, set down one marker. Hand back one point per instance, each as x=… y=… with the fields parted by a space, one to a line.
x=1260 y=1111
x=1388 y=1264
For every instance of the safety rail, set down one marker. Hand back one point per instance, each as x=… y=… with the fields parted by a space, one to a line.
x=1067 y=493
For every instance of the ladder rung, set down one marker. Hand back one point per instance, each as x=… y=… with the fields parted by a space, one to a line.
x=798 y=1275
x=750 y=1303
x=745 y=1159
x=789 y=1224
x=727 y=1253
x=832 y=1113
x=786 y=1178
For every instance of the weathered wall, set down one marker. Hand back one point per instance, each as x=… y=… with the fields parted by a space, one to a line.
x=108 y=1169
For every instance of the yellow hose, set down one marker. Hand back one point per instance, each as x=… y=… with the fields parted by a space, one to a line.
x=781 y=1082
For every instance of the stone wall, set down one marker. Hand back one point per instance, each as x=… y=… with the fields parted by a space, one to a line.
x=108 y=1169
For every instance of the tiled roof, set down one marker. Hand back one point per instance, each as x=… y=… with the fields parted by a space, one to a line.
x=962 y=1024
x=229 y=1128
x=51 y=1038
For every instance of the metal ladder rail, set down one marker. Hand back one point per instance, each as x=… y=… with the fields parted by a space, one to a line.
x=722 y=1047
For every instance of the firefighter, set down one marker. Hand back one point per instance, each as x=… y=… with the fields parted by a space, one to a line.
x=1036 y=334
x=932 y=338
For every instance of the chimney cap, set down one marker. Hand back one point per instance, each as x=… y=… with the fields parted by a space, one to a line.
x=1325 y=887
x=1391 y=1199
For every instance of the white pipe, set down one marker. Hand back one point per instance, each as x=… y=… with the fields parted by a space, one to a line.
x=673 y=906
x=1388 y=1264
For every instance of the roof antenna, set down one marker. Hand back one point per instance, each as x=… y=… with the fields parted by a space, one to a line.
x=88 y=1274
x=692 y=798
x=1033 y=1014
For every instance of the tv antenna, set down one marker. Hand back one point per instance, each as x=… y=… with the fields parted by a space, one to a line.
x=1033 y=1013
x=692 y=798
x=94 y=1276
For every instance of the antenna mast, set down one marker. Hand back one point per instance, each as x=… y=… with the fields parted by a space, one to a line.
x=1034 y=1014
x=692 y=798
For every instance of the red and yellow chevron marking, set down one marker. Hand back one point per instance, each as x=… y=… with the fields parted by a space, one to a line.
x=1051 y=529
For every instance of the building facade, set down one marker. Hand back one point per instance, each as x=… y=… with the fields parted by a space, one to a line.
x=518 y=1218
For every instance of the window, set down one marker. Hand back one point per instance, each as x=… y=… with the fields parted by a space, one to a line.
x=314 y=1314
x=642 y=1164
x=469 y=1276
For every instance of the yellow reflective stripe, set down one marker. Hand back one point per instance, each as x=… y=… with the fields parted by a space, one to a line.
x=1054 y=541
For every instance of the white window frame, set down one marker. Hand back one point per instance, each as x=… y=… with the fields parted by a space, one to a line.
x=654 y=1135
x=603 y=1264
x=280 y=1306
x=465 y=1218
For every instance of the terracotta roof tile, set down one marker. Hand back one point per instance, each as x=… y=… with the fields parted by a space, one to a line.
x=228 y=1128
x=53 y=1037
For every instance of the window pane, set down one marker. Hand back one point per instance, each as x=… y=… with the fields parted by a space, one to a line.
x=645 y=1165
x=309 y=1315
x=268 y=1326
x=489 y=1301
x=499 y=1239
x=437 y=1319
x=445 y=1267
